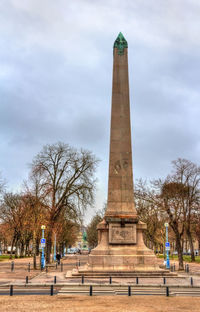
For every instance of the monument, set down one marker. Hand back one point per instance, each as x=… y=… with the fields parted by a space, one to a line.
x=120 y=246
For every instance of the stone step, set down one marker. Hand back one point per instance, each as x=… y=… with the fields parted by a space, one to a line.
x=121 y=275
x=123 y=290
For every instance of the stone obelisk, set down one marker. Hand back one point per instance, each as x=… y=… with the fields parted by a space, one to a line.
x=120 y=183
x=120 y=240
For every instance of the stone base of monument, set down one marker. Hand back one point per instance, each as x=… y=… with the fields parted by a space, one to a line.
x=121 y=252
x=151 y=274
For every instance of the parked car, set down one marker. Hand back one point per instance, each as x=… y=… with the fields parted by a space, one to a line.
x=72 y=250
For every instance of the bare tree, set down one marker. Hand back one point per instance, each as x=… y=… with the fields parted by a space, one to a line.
x=176 y=199
x=158 y=202
x=172 y=194
x=186 y=175
x=92 y=235
x=66 y=230
x=148 y=209
x=2 y=185
x=66 y=180
x=13 y=213
x=36 y=211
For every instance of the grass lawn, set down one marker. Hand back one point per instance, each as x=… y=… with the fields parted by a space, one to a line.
x=185 y=258
x=4 y=257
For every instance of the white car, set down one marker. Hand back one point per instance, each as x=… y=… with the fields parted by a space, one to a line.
x=72 y=250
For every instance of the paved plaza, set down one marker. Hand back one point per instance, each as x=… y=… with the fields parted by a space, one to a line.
x=113 y=297
x=21 y=271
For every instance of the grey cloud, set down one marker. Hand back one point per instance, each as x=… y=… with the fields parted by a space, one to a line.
x=56 y=80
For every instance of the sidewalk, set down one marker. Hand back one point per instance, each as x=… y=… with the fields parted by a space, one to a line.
x=18 y=276
x=194 y=267
x=21 y=270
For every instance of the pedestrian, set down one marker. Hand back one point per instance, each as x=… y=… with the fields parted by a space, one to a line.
x=58 y=257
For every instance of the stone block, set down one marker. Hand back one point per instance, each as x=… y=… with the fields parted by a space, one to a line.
x=122 y=235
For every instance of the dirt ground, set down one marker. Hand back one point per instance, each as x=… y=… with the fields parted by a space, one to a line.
x=98 y=304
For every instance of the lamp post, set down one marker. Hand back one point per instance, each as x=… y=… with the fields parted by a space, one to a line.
x=167 y=247
x=54 y=258
x=43 y=245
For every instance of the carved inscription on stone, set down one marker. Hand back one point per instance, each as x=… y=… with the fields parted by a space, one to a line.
x=125 y=164
x=118 y=166
x=122 y=235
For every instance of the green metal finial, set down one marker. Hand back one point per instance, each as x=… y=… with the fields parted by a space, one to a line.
x=120 y=43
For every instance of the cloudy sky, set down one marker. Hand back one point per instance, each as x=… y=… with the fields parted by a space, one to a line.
x=56 y=79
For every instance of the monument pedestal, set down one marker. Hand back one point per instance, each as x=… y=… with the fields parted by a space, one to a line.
x=121 y=250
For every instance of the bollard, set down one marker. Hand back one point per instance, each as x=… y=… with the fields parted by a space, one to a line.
x=11 y=290
x=82 y=279
x=61 y=267
x=79 y=262
x=29 y=267
x=137 y=280
x=167 y=291
x=26 y=279
x=191 y=281
x=187 y=269
x=90 y=290
x=164 y=280
x=110 y=280
x=174 y=267
x=12 y=266
x=51 y=291
x=54 y=279
x=129 y=291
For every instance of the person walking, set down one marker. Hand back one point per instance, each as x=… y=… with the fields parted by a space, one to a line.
x=58 y=257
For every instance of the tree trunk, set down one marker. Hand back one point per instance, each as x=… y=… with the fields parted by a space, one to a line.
x=49 y=232
x=12 y=246
x=22 y=249
x=34 y=251
x=61 y=248
x=180 y=254
x=48 y=246
x=174 y=226
x=16 y=248
x=37 y=246
x=189 y=235
x=5 y=246
x=161 y=248
x=27 y=251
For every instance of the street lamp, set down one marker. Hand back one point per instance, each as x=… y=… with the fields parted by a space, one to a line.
x=167 y=246
x=54 y=249
x=43 y=245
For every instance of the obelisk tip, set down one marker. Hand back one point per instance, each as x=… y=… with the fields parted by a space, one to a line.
x=120 y=43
